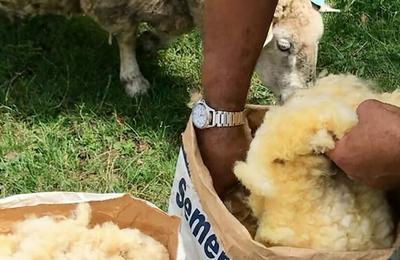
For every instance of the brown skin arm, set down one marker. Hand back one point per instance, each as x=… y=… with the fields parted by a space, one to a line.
x=370 y=152
x=234 y=32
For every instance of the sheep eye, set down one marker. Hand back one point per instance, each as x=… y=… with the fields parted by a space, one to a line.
x=283 y=45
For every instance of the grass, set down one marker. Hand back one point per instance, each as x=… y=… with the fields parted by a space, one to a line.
x=66 y=124
x=364 y=40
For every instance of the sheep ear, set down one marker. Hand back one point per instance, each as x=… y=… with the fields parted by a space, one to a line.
x=328 y=9
x=323 y=7
x=270 y=36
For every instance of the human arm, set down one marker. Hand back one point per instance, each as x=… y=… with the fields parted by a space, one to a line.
x=234 y=32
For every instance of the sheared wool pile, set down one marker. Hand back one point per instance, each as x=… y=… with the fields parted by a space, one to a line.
x=60 y=238
x=297 y=195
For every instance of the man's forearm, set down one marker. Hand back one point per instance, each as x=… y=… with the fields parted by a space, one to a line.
x=234 y=32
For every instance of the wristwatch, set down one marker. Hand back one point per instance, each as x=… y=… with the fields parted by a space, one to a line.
x=204 y=116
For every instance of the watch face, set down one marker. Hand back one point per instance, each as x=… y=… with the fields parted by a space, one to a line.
x=199 y=116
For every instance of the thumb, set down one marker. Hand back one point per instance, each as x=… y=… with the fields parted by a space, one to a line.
x=340 y=152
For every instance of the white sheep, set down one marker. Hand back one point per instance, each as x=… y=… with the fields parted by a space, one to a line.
x=287 y=62
x=289 y=57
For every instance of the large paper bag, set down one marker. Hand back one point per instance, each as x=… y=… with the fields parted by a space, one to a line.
x=210 y=231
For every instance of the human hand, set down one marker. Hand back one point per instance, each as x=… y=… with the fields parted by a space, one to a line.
x=220 y=148
x=370 y=152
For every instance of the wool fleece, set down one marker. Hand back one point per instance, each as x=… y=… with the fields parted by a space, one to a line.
x=299 y=198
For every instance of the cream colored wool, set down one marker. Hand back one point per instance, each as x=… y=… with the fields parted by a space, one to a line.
x=295 y=194
x=53 y=238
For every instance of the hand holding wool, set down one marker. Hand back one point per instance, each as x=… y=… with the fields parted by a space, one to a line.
x=370 y=152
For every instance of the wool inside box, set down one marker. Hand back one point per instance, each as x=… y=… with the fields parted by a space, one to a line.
x=135 y=217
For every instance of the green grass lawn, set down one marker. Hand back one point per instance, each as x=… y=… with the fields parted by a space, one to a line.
x=66 y=124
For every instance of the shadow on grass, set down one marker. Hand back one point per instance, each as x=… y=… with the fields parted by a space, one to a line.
x=52 y=67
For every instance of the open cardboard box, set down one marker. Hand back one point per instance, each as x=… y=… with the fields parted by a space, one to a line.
x=210 y=231
x=122 y=209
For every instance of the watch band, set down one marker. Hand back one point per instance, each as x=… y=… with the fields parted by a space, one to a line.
x=226 y=119
x=204 y=116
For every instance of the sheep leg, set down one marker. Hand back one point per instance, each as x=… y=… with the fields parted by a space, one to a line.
x=153 y=41
x=130 y=74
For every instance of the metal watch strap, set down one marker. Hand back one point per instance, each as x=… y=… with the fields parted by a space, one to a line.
x=226 y=119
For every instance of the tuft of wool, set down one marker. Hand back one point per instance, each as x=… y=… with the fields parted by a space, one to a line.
x=60 y=238
x=297 y=195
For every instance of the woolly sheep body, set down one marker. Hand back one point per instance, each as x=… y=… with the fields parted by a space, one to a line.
x=295 y=194
x=71 y=239
x=296 y=23
x=120 y=19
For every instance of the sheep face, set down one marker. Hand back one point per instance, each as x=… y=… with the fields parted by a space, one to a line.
x=289 y=57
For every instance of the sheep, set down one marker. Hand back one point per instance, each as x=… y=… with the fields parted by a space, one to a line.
x=289 y=56
x=299 y=198
x=287 y=61
x=119 y=18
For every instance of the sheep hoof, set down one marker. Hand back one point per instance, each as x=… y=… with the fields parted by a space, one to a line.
x=135 y=85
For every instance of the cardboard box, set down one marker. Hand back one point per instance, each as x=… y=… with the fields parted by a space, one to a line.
x=122 y=209
x=210 y=231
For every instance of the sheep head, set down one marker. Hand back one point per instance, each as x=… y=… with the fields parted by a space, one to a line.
x=289 y=58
